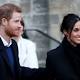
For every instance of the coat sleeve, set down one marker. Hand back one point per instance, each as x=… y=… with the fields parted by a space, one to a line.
x=33 y=74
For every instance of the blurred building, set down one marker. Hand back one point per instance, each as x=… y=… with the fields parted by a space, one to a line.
x=42 y=21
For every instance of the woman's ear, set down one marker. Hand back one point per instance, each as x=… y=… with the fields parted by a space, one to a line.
x=66 y=33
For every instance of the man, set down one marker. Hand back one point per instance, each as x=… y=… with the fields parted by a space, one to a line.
x=10 y=24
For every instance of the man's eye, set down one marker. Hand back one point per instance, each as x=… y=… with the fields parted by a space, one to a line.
x=16 y=21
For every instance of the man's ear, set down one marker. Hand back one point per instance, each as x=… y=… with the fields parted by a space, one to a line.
x=4 y=21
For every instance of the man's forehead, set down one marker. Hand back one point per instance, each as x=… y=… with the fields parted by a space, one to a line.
x=17 y=15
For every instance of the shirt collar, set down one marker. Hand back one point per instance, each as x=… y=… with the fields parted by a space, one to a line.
x=5 y=42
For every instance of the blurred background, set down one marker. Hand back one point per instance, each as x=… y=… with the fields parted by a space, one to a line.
x=42 y=22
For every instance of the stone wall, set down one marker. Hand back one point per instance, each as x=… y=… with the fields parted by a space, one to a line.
x=57 y=10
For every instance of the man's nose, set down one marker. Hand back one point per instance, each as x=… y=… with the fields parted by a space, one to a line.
x=20 y=25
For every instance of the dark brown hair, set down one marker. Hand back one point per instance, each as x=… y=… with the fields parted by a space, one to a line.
x=68 y=22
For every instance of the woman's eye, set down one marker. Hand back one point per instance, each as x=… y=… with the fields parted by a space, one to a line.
x=75 y=30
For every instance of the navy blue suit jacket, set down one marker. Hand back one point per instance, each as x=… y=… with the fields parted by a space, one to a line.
x=21 y=73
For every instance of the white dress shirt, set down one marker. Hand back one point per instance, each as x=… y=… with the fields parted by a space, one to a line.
x=5 y=42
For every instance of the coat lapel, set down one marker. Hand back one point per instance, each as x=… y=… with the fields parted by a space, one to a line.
x=15 y=51
x=3 y=53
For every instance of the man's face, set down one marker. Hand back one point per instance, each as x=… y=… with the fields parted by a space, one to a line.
x=13 y=26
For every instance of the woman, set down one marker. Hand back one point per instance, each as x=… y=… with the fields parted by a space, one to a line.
x=27 y=50
x=63 y=63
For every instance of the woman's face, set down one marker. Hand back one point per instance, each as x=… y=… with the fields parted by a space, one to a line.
x=74 y=36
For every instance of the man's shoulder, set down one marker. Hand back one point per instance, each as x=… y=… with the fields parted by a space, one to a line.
x=14 y=43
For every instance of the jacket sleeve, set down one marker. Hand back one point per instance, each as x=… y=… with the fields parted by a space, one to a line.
x=33 y=74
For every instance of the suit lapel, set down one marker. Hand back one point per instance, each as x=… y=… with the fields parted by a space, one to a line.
x=3 y=53
x=15 y=51
x=16 y=60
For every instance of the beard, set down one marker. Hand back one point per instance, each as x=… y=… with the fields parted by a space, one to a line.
x=11 y=33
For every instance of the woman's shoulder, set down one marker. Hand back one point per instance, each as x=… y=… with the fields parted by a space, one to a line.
x=27 y=41
x=59 y=51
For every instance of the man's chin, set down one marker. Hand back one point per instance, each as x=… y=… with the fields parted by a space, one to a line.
x=78 y=42
x=14 y=35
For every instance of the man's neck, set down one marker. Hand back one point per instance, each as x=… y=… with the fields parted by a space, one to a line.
x=5 y=42
x=6 y=38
